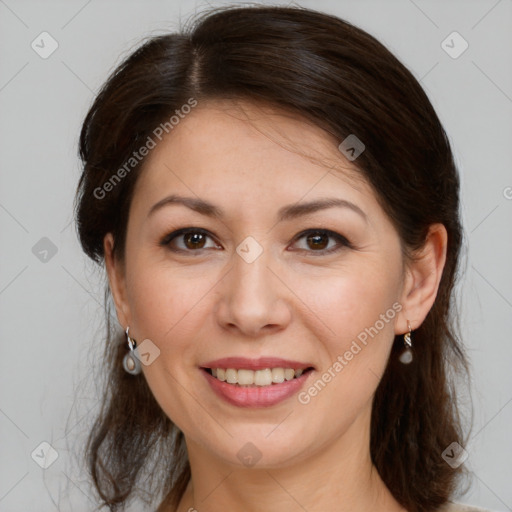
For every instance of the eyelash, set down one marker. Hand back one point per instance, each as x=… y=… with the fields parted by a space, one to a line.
x=342 y=241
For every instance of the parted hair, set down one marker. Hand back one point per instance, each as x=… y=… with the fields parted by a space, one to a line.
x=337 y=76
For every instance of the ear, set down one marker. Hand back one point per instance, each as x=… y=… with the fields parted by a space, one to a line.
x=117 y=282
x=423 y=276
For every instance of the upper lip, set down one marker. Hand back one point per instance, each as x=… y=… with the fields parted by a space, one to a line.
x=243 y=363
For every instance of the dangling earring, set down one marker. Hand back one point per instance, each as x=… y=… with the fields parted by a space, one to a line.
x=131 y=362
x=406 y=355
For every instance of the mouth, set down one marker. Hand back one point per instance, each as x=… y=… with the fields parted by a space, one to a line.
x=244 y=377
x=259 y=383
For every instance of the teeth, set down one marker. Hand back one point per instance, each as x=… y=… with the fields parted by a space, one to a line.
x=264 y=377
x=231 y=376
x=245 y=377
x=277 y=375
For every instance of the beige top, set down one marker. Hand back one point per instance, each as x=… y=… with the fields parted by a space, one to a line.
x=448 y=507
x=459 y=507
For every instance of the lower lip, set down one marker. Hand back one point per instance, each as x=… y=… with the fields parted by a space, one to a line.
x=257 y=396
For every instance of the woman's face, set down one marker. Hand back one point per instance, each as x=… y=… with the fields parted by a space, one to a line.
x=252 y=282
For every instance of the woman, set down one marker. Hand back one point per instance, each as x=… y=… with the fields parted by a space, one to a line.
x=277 y=208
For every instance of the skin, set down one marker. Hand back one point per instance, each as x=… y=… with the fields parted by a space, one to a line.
x=291 y=302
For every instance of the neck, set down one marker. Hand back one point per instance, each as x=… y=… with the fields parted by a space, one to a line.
x=340 y=473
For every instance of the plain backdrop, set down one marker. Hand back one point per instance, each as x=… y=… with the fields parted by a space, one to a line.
x=51 y=296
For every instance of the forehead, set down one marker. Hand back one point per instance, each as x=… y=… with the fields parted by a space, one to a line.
x=229 y=150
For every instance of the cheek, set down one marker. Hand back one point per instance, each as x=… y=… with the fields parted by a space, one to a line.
x=166 y=301
x=354 y=320
x=354 y=323
x=168 y=307
x=347 y=304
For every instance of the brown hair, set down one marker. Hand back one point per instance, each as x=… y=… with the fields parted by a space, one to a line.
x=343 y=80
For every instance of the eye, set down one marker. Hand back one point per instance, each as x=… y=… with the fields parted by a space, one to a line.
x=194 y=239
x=318 y=240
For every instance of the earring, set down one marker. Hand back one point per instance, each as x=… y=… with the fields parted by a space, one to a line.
x=131 y=362
x=406 y=355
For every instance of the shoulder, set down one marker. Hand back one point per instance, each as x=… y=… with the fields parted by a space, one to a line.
x=459 y=507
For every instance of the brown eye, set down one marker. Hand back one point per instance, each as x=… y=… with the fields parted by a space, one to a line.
x=194 y=240
x=188 y=240
x=318 y=241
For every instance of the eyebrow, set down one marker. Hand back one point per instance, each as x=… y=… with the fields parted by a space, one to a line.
x=285 y=213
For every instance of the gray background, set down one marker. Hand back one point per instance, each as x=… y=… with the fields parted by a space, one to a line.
x=51 y=304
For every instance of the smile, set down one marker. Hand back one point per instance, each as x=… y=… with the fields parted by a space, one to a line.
x=263 y=392
x=253 y=378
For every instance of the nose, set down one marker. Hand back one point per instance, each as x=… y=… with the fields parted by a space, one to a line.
x=253 y=299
